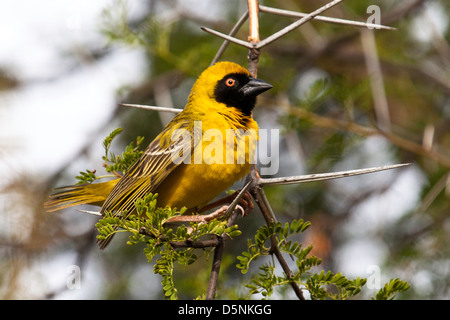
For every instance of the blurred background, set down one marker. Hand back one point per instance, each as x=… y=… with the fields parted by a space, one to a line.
x=343 y=98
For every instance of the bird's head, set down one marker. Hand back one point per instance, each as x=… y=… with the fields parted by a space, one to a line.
x=230 y=84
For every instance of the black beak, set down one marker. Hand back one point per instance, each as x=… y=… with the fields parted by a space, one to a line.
x=255 y=87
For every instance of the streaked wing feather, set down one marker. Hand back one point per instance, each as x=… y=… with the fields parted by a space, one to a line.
x=149 y=170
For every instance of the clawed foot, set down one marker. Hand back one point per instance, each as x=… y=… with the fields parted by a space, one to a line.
x=203 y=218
x=245 y=202
x=245 y=206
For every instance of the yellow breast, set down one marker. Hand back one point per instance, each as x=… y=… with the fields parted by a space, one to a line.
x=227 y=151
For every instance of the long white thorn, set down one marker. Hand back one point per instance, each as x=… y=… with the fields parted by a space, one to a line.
x=154 y=108
x=95 y=213
x=325 y=176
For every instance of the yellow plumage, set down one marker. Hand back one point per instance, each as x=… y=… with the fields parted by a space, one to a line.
x=221 y=102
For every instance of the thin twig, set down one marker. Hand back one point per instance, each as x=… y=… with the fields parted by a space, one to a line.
x=294 y=14
x=296 y=24
x=376 y=80
x=227 y=37
x=267 y=212
x=258 y=194
x=215 y=269
x=184 y=244
x=196 y=244
x=350 y=126
x=435 y=190
x=276 y=250
x=233 y=31
x=264 y=204
x=217 y=260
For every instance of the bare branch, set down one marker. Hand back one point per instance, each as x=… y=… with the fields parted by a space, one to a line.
x=195 y=244
x=253 y=8
x=183 y=244
x=228 y=38
x=294 y=14
x=265 y=207
x=276 y=251
x=350 y=126
x=269 y=216
x=253 y=37
x=297 y=24
x=375 y=74
x=217 y=260
x=233 y=31
x=436 y=189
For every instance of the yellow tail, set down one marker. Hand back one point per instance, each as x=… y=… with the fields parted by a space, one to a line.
x=93 y=193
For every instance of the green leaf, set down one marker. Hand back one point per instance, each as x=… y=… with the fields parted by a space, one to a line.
x=390 y=288
x=121 y=162
x=108 y=140
x=86 y=177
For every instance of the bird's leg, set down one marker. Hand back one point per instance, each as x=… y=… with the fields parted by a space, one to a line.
x=245 y=206
x=245 y=202
x=202 y=218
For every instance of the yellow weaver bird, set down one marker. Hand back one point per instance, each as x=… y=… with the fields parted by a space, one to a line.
x=223 y=97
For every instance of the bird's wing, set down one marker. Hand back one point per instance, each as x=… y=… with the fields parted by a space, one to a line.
x=153 y=166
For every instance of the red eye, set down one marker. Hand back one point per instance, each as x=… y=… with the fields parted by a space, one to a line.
x=230 y=82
